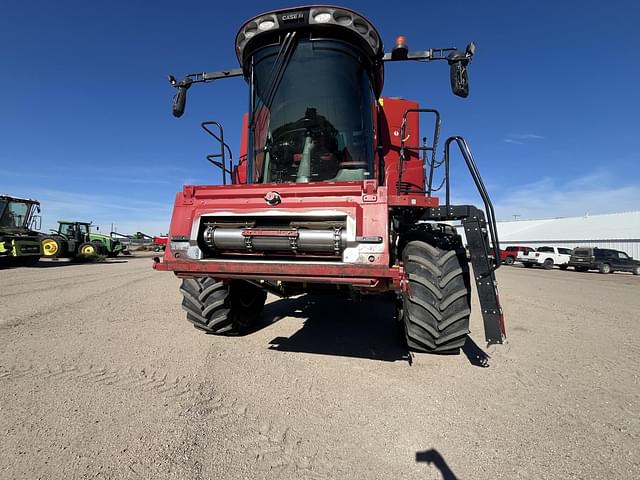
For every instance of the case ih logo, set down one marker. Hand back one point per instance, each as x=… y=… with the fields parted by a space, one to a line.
x=273 y=198
x=293 y=17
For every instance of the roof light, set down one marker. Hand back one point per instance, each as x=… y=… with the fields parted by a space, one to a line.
x=322 y=17
x=266 y=25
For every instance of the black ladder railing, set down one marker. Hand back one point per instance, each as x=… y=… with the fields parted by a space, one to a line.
x=477 y=179
x=222 y=163
x=482 y=240
x=424 y=149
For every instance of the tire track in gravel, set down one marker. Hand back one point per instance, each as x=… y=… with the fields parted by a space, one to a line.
x=155 y=382
x=58 y=285
x=31 y=317
x=269 y=448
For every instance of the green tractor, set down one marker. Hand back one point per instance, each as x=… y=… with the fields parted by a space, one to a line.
x=19 y=243
x=73 y=239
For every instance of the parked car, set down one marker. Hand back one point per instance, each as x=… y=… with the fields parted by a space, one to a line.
x=509 y=254
x=546 y=257
x=604 y=260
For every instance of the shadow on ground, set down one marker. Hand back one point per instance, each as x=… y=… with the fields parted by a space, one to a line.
x=66 y=263
x=433 y=457
x=350 y=328
x=475 y=354
x=339 y=326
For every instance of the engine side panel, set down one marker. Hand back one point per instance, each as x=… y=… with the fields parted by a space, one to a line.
x=391 y=111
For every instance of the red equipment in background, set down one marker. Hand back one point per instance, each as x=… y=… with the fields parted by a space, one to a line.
x=160 y=242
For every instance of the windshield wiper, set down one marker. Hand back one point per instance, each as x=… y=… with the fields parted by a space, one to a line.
x=280 y=64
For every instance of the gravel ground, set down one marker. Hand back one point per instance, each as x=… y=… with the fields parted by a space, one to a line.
x=102 y=377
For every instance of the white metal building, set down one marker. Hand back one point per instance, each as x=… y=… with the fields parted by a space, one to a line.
x=620 y=231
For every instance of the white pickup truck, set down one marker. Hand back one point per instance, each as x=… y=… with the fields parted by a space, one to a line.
x=546 y=257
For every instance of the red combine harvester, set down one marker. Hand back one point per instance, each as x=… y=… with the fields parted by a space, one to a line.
x=160 y=243
x=333 y=187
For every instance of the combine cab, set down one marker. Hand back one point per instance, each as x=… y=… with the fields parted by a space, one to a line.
x=73 y=239
x=18 y=240
x=334 y=185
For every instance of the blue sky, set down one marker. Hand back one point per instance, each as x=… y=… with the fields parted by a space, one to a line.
x=85 y=123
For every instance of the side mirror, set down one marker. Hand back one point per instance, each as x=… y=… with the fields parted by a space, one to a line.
x=180 y=98
x=36 y=222
x=471 y=50
x=458 y=63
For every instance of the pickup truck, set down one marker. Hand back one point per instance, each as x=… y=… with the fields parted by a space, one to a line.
x=509 y=254
x=546 y=257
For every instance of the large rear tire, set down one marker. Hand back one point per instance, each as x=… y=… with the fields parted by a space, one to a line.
x=222 y=308
x=437 y=303
x=53 y=247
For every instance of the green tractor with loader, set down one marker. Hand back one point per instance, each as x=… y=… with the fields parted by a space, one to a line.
x=73 y=239
x=19 y=242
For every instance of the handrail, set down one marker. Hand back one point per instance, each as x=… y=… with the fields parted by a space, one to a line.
x=432 y=149
x=220 y=138
x=477 y=179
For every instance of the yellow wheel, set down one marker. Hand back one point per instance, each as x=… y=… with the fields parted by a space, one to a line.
x=50 y=247
x=87 y=249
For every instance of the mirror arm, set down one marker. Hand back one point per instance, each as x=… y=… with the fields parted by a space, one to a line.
x=204 y=77
x=424 y=55
x=180 y=98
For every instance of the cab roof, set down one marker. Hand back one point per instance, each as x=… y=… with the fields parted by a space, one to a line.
x=4 y=196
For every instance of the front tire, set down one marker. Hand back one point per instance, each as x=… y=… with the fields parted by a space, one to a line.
x=509 y=261
x=222 y=308
x=436 y=305
x=548 y=264
x=604 y=268
x=88 y=249
x=636 y=270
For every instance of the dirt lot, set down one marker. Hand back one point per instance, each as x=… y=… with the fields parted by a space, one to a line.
x=101 y=377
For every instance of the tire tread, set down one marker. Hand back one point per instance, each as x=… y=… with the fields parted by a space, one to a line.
x=437 y=305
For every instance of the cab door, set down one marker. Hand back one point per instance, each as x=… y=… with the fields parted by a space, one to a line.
x=610 y=257
x=83 y=233
x=622 y=261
